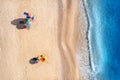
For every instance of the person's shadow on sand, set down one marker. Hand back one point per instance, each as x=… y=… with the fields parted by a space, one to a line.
x=20 y=23
x=33 y=60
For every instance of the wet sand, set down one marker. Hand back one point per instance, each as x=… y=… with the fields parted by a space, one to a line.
x=59 y=32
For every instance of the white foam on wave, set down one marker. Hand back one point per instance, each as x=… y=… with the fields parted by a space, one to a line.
x=94 y=66
x=90 y=69
x=95 y=39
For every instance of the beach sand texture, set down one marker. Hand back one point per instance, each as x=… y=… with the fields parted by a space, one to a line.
x=57 y=31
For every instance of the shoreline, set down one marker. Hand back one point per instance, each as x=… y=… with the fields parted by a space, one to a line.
x=87 y=33
x=84 y=54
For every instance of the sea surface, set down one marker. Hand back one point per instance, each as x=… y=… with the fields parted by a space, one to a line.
x=104 y=38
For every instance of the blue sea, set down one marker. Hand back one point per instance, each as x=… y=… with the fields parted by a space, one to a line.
x=104 y=38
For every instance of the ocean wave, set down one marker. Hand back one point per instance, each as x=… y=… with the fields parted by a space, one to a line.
x=104 y=35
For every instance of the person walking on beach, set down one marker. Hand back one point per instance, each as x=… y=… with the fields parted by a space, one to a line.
x=39 y=58
x=42 y=58
x=29 y=19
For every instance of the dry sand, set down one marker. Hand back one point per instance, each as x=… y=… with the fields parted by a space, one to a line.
x=59 y=32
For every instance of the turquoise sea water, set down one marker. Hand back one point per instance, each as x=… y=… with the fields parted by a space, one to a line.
x=104 y=38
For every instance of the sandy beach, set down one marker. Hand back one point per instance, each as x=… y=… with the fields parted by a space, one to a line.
x=58 y=31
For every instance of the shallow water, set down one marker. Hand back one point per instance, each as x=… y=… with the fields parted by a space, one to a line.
x=104 y=36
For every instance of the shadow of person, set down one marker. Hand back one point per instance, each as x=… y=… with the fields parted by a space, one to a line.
x=20 y=23
x=33 y=60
